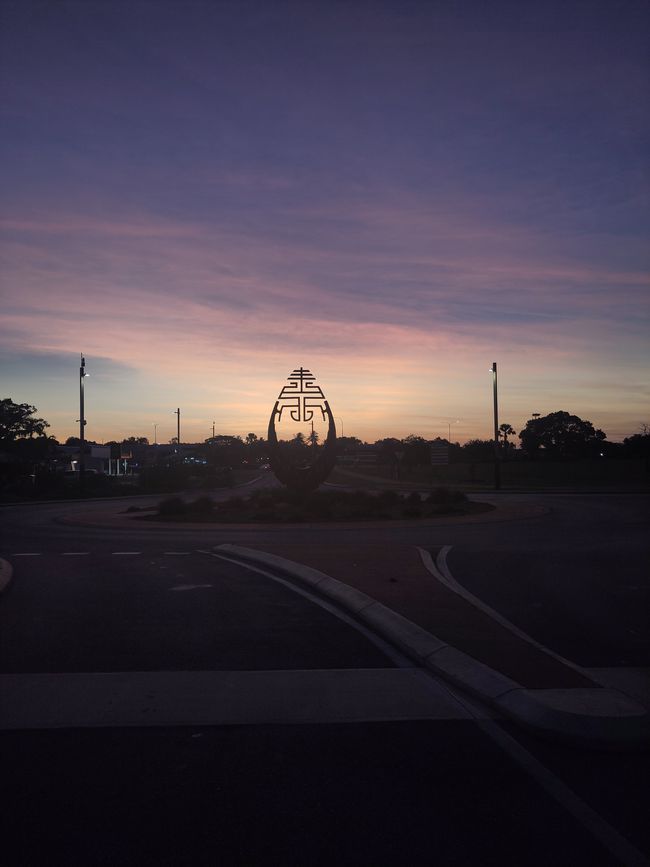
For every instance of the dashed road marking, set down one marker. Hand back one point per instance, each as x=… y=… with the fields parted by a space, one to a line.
x=177 y=553
x=75 y=553
x=30 y=554
x=124 y=553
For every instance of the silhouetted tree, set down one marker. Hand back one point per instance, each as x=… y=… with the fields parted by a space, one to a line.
x=17 y=422
x=387 y=450
x=637 y=446
x=560 y=435
x=506 y=430
x=417 y=451
x=478 y=450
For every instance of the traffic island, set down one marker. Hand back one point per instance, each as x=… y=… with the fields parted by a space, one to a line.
x=282 y=506
x=387 y=589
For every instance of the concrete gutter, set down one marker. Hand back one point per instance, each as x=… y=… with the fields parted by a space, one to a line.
x=6 y=571
x=595 y=717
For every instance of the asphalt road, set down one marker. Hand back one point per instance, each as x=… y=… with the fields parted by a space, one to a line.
x=577 y=580
x=179 y=709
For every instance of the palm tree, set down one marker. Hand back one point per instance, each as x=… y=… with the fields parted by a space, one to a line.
x=506 y=430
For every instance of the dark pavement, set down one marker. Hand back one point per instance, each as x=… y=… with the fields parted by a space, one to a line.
x=385 y=794
x=411 y=772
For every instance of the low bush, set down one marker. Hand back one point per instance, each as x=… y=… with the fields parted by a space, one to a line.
x=201 y=506
x=278 y=505
x=172 y=506
x=443 y=496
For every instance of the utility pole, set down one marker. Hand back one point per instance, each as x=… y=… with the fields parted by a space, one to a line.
x=82 y=424
x=497 y=468
x=213 y=430
x=155 y=433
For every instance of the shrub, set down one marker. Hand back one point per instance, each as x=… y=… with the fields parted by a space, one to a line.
x=412 y=507
x=201 y=506
x=389 y=498
x=445 y=496
x=172 y=506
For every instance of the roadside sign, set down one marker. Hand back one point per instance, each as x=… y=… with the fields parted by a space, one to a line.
x=439 y=454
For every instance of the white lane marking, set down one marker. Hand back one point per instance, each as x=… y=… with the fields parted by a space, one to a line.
x=441 y=571
x=122 y=553
x=75 y=553
x=180 y=587
x=27 y=555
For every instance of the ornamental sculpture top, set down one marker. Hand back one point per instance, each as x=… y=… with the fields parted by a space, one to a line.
x=302 y=397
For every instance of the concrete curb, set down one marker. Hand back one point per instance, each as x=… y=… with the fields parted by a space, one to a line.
x=595 y=717
x=6 y=571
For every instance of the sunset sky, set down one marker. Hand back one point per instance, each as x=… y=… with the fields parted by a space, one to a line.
x=202 y=196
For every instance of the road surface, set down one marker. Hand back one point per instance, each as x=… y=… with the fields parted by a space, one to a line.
x=167 y=706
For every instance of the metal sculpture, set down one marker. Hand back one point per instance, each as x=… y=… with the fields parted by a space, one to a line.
x=302 y=397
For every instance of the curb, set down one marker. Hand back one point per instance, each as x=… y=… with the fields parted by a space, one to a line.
x=597 y=717
x=6 y=571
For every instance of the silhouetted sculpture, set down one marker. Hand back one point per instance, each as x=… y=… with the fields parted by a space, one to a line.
x=302 y=396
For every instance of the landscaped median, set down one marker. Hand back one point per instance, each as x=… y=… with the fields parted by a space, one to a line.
x=279 y=505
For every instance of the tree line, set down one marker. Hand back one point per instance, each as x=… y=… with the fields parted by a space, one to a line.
x=556 y=436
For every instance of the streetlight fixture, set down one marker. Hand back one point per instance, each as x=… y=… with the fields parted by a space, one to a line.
x=497 y=468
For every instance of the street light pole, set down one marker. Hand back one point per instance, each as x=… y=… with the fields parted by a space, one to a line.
x=177 y=413
x=213 y=430
x=497 y=468
x=82 y=424
x=449 y=424
x=155 y=433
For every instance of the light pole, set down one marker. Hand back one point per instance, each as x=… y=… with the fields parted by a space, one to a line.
x=449 y=424
x=155 y=433
x=82 y=425
x=497 y=468
x=213 y=430
x=177 y=413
